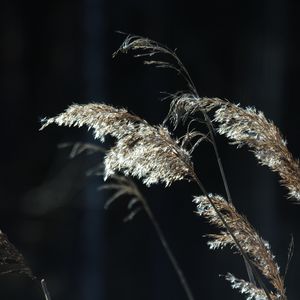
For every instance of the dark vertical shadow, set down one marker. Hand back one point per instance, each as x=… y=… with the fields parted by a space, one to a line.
x=92 y=235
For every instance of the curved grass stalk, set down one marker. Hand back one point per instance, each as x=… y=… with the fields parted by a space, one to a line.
x=124 y=186
x=169 y=252
x=165 y=245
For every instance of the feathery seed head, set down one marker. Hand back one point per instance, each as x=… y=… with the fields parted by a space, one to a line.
x=149 y=154
x=185 y=105
x=102 y=118
x=247 y=126
x=258 y=250
x=145 y=151
x=250 y=127
x=250 y=290
x=11 y=260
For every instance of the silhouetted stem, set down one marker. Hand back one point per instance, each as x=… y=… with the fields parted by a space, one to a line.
x=214 y=143
x=167 y=248
x=225 y=183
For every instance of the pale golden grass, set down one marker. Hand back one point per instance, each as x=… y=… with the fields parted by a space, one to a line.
x=258 y=250
x=143 y=151
x=153 y=155
x=246 y=126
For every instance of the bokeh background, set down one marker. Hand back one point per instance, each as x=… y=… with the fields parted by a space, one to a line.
x=54 y=53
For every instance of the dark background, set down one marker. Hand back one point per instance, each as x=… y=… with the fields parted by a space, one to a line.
x=54 y=53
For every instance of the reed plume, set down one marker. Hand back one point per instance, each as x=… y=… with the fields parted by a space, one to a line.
x=249 y=289
x=243 y=126
x=149 y=50
x=258 y=250
x=250 y=127
x=143 y=151
x=246 y=126
x=11 y=260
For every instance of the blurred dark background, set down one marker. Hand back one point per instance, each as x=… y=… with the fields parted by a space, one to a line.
x=55 y=53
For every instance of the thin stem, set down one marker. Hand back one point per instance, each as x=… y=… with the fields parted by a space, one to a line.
x=45 y=289
x=238 y=245
x=214 y=143
x=191 y=84
x=167 y=248
x=225 y=183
